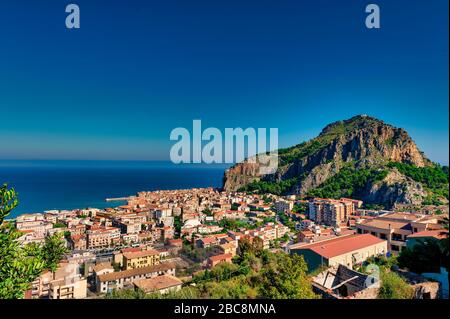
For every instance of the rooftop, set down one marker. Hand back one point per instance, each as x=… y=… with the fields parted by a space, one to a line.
x=220 y=257
x=140 y=254
x=158 y=283
x=341 y=245
x=438 y=234
x=135 y=272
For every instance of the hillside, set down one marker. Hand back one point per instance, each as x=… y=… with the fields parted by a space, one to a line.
x=362 y=157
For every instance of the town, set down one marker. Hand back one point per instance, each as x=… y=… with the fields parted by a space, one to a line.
x=159 y=240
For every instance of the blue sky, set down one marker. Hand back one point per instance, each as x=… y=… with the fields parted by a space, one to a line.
x=115 y=88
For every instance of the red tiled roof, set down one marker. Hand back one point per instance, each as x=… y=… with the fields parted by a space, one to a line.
x=342 y=245
x=130 y=249
x=140 y=254
x=221 y=257
x=438 y=234
x=208 y=240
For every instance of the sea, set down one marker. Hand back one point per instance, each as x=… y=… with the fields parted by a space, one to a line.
x=47 y=185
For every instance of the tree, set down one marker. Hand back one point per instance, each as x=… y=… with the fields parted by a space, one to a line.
x=254 y=247
x=8 y=201
x=394 y=287
x=53 y=251
x=285 y=277
x=424 y=256
x=17 y=268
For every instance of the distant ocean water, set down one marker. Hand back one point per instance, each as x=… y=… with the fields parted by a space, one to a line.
x=46 y=185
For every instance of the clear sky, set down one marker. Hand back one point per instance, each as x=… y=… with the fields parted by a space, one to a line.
x=115 y=88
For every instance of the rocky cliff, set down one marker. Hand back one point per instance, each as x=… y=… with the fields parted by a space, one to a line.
x=360 y=144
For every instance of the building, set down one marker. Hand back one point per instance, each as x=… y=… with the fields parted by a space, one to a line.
x=102 y=268
x=68 y=288
x=347 y=251
x=329 y=211
x=77 y=242
x=395 y=228
x=129 y=227
x=162 y=284
x=227 y=248
x=426 y=235
x=117 y=280
x=344 y=283
x=139 y=259
x=215 y=260
x=65 y=283
x=282 y=206
x=103 y=237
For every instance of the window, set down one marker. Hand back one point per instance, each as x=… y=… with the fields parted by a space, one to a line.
x=383 y=236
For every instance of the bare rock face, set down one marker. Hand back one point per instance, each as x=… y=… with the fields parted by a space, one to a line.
x=241 y=174
x=362 y=141
x=395 y=188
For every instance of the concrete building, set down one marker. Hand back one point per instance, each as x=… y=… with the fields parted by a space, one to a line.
x=215 y=260
x=162 y=284
x=395 y=228
x=425 y=235
x=102 y=237
x=329 y=211
x=282 y=206
x=117 y=280
x=65 y=283
x=140 y=259
x=68 y=288
x=347 y=251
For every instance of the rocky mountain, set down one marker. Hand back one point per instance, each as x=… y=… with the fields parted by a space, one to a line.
x=362 y=157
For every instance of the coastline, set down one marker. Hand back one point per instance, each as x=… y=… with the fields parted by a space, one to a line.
x=66 y=185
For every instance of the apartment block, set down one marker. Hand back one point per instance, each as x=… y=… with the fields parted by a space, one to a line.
x=329 y=211
x=140 y=259
x=102 y=237
x=106 y=282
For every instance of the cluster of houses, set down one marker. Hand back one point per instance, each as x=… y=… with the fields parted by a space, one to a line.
x=140 y=245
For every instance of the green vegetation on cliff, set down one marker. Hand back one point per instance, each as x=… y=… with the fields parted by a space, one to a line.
x=434 y=178
x=276 y=188
x=349 y=182
x=330 y=133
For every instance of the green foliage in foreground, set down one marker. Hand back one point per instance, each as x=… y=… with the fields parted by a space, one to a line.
x=255 y=273
x=425 y=256
x=394 y=286
x=19 y=266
